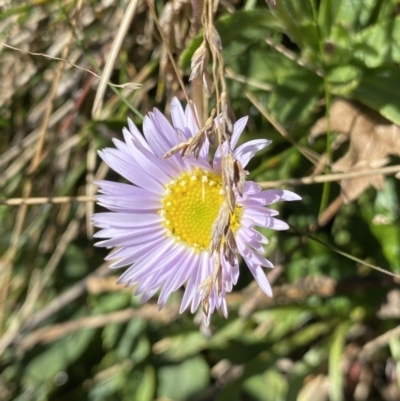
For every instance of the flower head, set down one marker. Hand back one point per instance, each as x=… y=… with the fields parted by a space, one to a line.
x=165 y=221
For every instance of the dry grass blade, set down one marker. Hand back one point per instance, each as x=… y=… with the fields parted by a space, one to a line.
x=374 y=345
x=37 y=287
x=128 y=85
x=307 y=153
x=45 y=200
x=48 y=334
x=112 y=56
x=318 y=179
x=5 y=277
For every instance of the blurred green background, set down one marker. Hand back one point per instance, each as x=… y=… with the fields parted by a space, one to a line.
x=321 y=79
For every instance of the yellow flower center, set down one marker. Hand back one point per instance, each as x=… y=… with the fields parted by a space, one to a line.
x=190 y=206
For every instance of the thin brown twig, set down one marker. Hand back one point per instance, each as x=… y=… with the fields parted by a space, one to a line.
x=292 y=56
x=128 y=85
x=248 y=81
x=173 y=62
x=381 y=341
x=65 y=298
x=312 y=156
x=45 y=200
x=112 y=56
x=149 y=312
x=318 y=179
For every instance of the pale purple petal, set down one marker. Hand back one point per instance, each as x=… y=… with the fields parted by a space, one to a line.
x=120 y=189
x=136 y=135
x=125 y=220
x=119 y=163
x=270 y=196
x=179 y=119
x=192 y=284
x=251 y=188
x=237 y=130
x=192 y=119
x=128 y=204
x=245 y=152
x=251 y=255
x=260 y=277
x=181 y=274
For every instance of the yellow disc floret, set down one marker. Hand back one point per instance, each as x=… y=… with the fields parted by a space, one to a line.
x=190 y=206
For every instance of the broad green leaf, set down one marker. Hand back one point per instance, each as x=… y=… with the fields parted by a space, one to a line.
x=381 y=218
x=338 y=47
x=184 y=345
x=327 y=14
x=380 y=90
x=299 y=22
x=146 y=386
x=110 y=386
x=272 y=380
x=379 y=44
x=57 y=357
x=344 y=79
x=355 y=14
x=192 y=376
x=127 y=342
x=111 y=301
x=281 y=321
x=140 y=384
x=142 y=349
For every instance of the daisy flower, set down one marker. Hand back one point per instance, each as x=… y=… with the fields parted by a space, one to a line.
x=162 y=220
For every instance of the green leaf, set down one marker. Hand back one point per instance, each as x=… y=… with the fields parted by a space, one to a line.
x=355 y=13
x=109 y=386
x=327 y=14
x=57 y=357
x=335 y=356
x=394 y=345
x=183 y=345
x=381 y=218
x=339 y=47
x=146 y=386
x=272 y=380
x=379 y=44
x=237 y=32
x=380 y=90
x=193 y=375
x=344 y=79
x=298 y=19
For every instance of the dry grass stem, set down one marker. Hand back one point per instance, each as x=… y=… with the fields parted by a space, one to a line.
x=45 y=200
x=318 y=179
x=127 y=85
x=112 y=56
x=37 y=287
x=6 y=276
x=149 y=312
x=312 y=156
